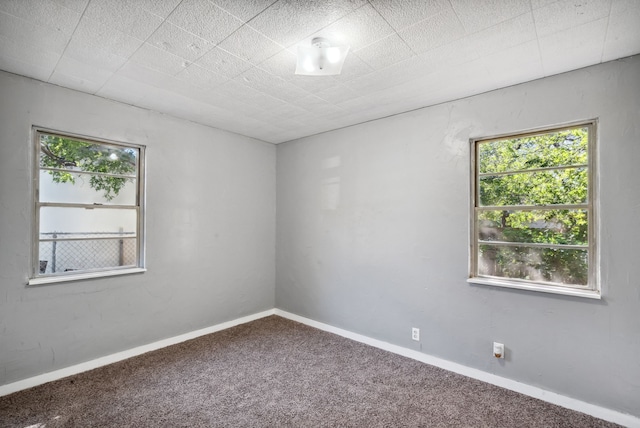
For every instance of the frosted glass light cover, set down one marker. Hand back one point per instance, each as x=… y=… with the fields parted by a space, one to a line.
x=320 y=61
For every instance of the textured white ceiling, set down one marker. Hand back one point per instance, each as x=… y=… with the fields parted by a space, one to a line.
x=230 y=63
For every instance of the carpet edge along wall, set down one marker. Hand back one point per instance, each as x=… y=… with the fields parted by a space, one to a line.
x=531 y=391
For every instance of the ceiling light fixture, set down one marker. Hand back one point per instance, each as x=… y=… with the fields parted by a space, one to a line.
x=320 y=59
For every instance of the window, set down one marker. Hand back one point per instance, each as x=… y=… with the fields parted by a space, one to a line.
x=533 y=217
x=89 y=213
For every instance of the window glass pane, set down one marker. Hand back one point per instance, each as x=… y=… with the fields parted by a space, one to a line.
x=78 y=155
x=563 y=148
x=83 y=222
x=537 y=226
x=564 y=186
x=561 y=266
x=79 y=255
x=83 y=189
x=103 y=176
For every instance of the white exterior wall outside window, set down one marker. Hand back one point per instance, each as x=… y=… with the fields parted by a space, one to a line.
x=89 y=207
x=533 y=220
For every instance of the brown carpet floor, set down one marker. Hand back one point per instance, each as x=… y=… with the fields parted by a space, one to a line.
x=277 y=373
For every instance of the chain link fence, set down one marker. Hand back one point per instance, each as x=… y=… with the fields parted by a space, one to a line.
x=82 y=251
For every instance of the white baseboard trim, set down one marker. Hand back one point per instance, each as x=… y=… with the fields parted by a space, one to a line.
x=119 y=356
x=532 y=391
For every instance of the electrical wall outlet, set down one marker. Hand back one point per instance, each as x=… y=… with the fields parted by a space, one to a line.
x=498 y=350
x=415 y=334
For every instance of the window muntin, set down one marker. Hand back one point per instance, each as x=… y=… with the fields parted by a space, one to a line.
x=533 y=212
x=89 y=218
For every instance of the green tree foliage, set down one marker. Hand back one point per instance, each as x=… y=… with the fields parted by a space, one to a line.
x=522 y=186
x=69 y=156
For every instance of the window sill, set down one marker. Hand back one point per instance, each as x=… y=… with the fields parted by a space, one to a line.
x=87 y=275
x=567 y=291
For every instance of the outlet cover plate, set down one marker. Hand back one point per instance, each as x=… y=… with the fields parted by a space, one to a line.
x=415 y=334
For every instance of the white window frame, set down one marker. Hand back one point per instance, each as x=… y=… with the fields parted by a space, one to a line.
x=592 y=289
x=36 y=278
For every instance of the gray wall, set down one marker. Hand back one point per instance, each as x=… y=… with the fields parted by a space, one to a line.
x=210 y=234
x=373 y=237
